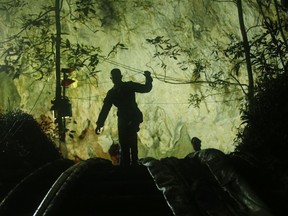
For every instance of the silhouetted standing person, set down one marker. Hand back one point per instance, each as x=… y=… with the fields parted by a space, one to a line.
x=196 y=143
x=122 y=95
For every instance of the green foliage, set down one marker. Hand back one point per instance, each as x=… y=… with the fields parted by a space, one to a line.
x=235 y=52
x=164 y=49
x=12 y=5
x=32 y=49
x=80 y=56
x=198 y=69
x=85 y=10
x=265 y=133
x=118 y=46
x=195 y=100
x=268 y=49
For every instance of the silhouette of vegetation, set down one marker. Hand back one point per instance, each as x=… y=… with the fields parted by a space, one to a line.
x=32 y=49
x=262 y=146
x=44 y=44
x=267 y=49
x=263 y=54
x=199 y=70
x=24 y=138
x=269 y=58
x=264 y=133
x=263 y=142
x=24 y=147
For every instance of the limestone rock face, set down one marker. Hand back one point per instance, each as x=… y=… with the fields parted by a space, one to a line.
x=9 y=96
x=195 y=28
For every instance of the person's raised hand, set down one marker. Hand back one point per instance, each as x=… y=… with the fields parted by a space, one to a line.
x=147 y=73
x=98 y=130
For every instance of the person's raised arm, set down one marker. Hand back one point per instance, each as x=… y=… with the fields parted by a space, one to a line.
x=143 y=88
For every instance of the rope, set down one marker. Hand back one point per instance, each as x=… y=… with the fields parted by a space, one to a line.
x=41 y=92
x=163 y=78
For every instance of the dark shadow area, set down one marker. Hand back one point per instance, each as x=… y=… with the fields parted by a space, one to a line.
x=34 y=176
x=96 y=187
x=24 y=147
x=206 y=183
x=261 y=153
x=251 y=181
x=26 y=196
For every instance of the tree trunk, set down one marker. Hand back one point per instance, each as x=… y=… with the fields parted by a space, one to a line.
x=247 y=55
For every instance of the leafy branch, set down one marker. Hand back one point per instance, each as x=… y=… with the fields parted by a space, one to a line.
x=167 y=52
x=32 y=48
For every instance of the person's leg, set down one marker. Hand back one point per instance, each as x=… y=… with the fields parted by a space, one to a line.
x=124 y=144
x=134 y=149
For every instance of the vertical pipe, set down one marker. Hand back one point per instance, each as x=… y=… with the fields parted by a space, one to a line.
x=58 y=71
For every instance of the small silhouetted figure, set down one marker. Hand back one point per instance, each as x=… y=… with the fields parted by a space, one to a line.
x=122 y=95
x=196 y=143
x=114 y=152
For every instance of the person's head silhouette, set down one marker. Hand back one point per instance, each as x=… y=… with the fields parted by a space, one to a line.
x=116 y=76
x=196 y=143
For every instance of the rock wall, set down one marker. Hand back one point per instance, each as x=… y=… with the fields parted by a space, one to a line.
x=198 y=27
